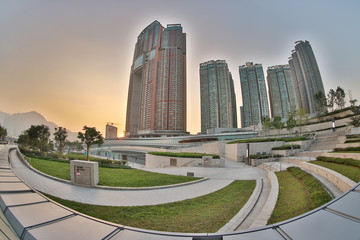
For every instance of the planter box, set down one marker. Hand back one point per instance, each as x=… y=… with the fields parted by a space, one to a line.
x=285 y=153
x=237 y=151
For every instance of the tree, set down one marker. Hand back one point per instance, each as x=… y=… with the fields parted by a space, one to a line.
x=3 y=133
x=277 y=123
x=355 y=119
x=291 y=122
x=267 y=124
x=60 y=138
x=301 y=115
x=331 y=99
x=76 y=145
x=340 y=97
x=352 y=101
x=23 y=140
x=37 y=137
x=90 y=137
x=320 y=101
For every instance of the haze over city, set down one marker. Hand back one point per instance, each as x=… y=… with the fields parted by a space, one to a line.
x=70 y=60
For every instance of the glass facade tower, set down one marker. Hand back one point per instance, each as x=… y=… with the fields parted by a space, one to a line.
x=157 y=90
x=254 y=95
x=306 y=76
x=281 y=91
x=218 y=102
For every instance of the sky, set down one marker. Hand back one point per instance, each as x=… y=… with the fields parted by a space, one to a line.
x=70 y=60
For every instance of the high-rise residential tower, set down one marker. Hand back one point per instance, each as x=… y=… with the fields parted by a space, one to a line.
x=254 y=95
x=306 y=75
x=218 y=104
x=157 y=89
x=281 y=91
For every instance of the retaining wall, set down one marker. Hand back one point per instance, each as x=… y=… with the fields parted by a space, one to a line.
x=237 y=151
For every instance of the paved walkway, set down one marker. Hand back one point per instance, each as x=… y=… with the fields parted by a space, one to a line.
x=219 y=178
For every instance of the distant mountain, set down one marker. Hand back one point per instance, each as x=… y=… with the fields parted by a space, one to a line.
x=16 y=123
x=3 y=116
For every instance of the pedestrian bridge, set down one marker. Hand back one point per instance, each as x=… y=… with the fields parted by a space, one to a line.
x=26 y=214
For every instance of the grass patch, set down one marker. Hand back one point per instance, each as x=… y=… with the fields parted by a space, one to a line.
x=115 y=177
x=203 y=214
x=351 y=172
x=287 y=147
x=59 y=169
x=184 y=154
x=299 y=192
x=77 y=156
x=318 y=195
x=256 y=140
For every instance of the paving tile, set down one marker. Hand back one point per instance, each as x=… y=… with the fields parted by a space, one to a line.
x=13 y=187
x=76 y=227
x=134 y=235
x=21 y=217
x=13 y=199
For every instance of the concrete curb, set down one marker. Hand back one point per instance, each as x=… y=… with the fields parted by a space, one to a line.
x=342 y=155
x=269 y=207
x=244 y=212
x=340 y=181
x=108 y=187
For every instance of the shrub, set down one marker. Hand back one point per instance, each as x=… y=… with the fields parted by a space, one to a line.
x=295 y=139
x=348 y=149
x=353 y=136
x=353 y=141
x=198 y=140
x=264 y=156
x=287 y=147
x=184 y=154
x=345 y=161
x=255 y=140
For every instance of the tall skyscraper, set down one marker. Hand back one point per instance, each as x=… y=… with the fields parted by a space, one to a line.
x=157 y=89
x=218 y=104
x=254 y=96
x=306 y=75
x=281 y=91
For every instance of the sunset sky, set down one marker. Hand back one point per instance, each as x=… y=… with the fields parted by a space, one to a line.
x=70 y=60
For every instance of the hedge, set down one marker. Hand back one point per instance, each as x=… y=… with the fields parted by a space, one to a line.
x=255 y=140
x=287 y=147
x=345 y=161
x=264 y=156
x=348 y=149
x=198 y=140
x=184 y=154
x=353 y=141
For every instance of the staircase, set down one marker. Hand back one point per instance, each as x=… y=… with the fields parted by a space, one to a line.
x=326 y=141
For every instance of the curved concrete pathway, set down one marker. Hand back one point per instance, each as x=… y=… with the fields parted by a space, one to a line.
x=96 y=196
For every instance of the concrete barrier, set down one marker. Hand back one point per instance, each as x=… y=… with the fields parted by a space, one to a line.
x=237 y=151
x=156 y=161
x=269 y=207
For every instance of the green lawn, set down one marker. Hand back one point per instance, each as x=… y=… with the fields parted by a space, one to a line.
x=299 y=192
x=116 y=177
x=199 y=215
x=351 y=172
